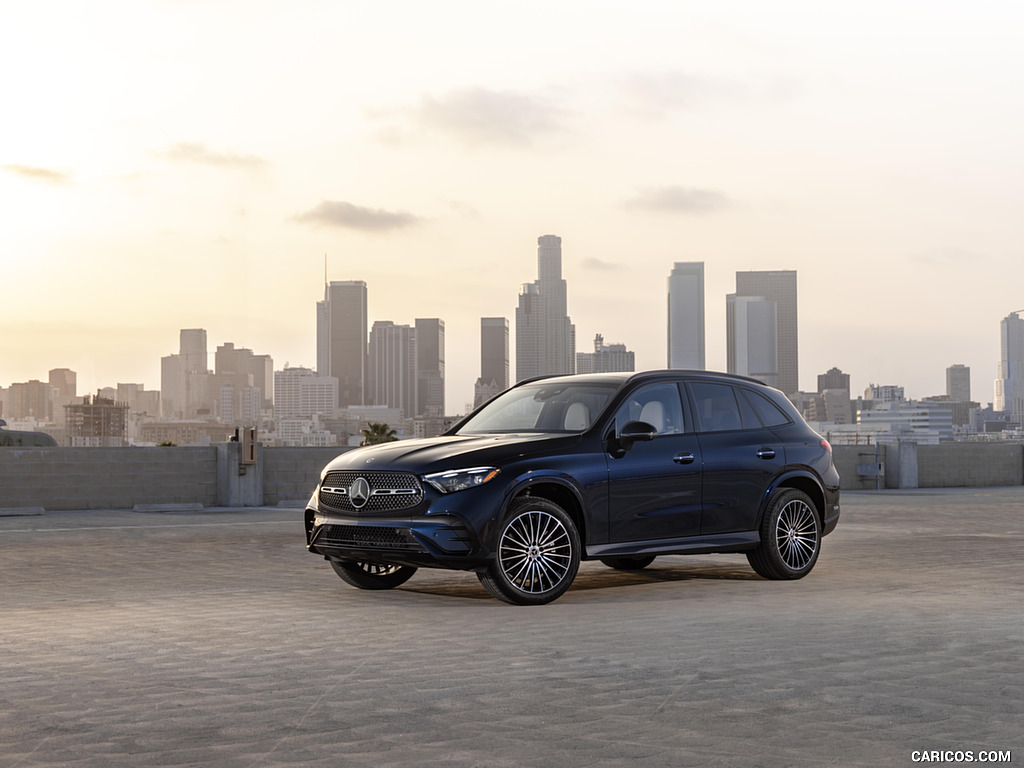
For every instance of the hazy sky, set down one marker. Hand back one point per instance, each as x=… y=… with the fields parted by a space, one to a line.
x=168 y=165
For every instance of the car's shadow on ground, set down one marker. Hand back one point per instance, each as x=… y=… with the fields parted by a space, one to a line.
x=590 y=577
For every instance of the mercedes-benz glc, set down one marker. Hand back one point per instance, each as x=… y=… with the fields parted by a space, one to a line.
x=620 y=468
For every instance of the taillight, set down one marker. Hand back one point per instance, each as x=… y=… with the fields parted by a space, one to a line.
x=825 y=444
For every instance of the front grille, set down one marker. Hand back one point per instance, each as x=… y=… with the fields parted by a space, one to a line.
x=387 y=491
x=367 y=537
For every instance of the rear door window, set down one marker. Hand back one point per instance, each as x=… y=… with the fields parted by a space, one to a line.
x=717 y=408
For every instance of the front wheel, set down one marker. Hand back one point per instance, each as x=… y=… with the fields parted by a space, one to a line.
x=537 y=556
x=790 y=537
x=372 y=575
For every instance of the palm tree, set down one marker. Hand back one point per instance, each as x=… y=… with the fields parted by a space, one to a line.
x=376 y=432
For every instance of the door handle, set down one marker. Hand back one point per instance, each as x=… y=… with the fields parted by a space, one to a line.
x=683 y=458
x=766 y=453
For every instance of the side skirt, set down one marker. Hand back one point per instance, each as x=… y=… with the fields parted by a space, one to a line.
x=691 y=545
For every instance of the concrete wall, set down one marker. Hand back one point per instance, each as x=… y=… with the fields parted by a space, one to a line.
x=106 y=478
x=947 y=465
x=956 y=465
x=121 y=478
x=848 y=457
x=291 y=474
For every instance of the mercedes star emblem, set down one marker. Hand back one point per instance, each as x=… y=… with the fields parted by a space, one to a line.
x=359 y=492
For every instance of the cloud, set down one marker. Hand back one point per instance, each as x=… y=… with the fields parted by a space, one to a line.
x=598 y=264
x=476 y=116
x=676 y=199
x=45 y=175
x=190 y=152
x=337 y=213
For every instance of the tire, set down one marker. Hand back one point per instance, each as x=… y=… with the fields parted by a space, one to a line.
x=372 y=575
x=790 y=537
x=632 y=563
x=537 y=554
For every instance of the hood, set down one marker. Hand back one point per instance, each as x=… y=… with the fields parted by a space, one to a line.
x=437 y=454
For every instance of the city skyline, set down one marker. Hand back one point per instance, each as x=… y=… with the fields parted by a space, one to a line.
x=428 y=364
x=161 y=172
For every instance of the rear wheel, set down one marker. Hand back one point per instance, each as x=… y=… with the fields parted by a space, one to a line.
x=372 y=575
x=790 y=537
x=537 y=556
x=635 y=563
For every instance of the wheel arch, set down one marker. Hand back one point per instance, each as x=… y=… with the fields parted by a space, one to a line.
x=558 y=491
x=801 y=481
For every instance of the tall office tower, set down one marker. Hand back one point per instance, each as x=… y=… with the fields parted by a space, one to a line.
x=686 y=316
x=323 y=338
x=545 y=336
x=780 y=287
x=494 y=350
x=958 y=383
x=30 y=400
x=833 y=378
x=192 y=355
x=750 y=328
x=606 y=358
x=228 y=359
x=1009 y=395
x=341 y=338
x=171 y=404
x=391 y=379
x=65 y=380
x=429 y=367
x=183 y=377
x=192 y=348
x=493 y=359
x=299 y=393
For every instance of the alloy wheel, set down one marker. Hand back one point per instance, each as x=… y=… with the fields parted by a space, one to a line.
x=797 y=534
x=535 y=552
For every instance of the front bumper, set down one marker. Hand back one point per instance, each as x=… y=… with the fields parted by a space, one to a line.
x=439 y=541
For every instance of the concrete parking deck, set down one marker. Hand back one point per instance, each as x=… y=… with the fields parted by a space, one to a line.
x=213 y=638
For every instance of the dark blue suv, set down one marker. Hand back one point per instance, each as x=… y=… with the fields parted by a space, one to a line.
x=616 y=467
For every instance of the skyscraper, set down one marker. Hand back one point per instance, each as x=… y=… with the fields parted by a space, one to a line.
x=545 y=336
x=958 y=383
x=65 y=380
x=341 y=338
x=686 y=315
x=494 y=350
x=778 y=286
x=494 y=368
x=1009 y=394
x=429 y=366
x=229 y=359
x=750 y=327
x=183 y=377
x=192 y=348
x=392 y=367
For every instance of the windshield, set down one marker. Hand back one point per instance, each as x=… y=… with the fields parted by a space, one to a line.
x=542 y=407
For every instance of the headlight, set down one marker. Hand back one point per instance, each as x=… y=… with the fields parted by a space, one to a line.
x=460 y=479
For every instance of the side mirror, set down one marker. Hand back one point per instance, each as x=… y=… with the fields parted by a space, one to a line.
x=636 y=432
